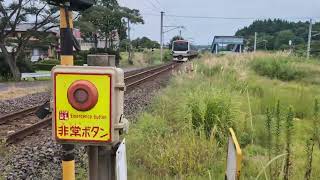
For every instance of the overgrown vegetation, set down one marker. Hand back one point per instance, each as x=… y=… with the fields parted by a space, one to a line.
x=278 y=67
x=145 y=57
x=184 y=134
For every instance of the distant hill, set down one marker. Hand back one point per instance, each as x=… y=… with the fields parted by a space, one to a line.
x=275 y=35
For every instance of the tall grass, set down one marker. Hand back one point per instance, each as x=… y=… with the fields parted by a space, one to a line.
x=309 y=154
x=269 y=137
x=277 y=146
x=183 y=135
x=278 y=67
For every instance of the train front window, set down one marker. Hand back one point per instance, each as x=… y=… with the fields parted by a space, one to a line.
x=180 y=46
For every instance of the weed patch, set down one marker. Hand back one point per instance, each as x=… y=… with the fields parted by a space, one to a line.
x=278 y=67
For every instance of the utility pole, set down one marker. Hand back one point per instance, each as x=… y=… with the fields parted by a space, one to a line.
x=309 y=39
x=161 y=36
x=180 y=33
x=130 y=47
x=255 y=41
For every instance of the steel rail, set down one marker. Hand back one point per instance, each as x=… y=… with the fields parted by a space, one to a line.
x=18 y=114
x=143 y=73
x=132 y=84
x=19 y=135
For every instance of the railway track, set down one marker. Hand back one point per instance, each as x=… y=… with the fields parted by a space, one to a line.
x=132 y=79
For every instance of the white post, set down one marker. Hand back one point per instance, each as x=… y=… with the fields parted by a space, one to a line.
x=309 y=39
x=255 y=42
x=217 y=46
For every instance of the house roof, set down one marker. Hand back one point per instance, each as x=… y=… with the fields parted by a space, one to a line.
x=27 y=26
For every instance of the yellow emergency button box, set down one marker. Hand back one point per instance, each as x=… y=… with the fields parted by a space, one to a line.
x=87 y=104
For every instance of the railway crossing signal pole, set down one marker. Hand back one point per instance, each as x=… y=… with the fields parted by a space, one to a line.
x=309 y=39
x=66 y=26
x=161 y=36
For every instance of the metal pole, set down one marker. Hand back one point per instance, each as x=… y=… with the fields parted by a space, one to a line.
x=255 y=41
x=66 y=25
x=93 y=156
x=107 y=163
x=180 y=34
x=217 y=46
x=161 y=36
x=129 y=49
x=309 y=39
x=101 y=158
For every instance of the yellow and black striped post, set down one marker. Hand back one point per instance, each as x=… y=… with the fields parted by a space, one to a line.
x=66 y=37
x=66 y=56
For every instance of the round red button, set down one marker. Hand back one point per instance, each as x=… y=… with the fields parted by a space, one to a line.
x=82 y=95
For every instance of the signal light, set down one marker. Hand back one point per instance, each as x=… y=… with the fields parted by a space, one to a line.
x=82 y=95
x=75 y=5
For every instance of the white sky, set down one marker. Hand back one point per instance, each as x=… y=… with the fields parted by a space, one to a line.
x=202 y=31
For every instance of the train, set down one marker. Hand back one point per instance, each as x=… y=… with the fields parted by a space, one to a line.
x=183 y=50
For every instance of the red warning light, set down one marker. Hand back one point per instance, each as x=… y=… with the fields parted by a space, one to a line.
x=83 y=95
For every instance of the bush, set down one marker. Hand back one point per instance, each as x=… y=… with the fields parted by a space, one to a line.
x=43 y=67
x=277 y=67
x=4 y=69
x=167 y=56
x=50 y=61
x=23 y=64
x=81 y=56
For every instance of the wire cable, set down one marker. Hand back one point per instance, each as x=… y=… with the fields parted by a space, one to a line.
x=232 y=18
x=153 y=5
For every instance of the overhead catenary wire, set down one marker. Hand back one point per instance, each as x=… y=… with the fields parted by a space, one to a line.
x=156 y=8
x=232 y=18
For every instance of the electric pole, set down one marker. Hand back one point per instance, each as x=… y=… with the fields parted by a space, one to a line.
x=161 y=36
x=309 y=39
x=180 y=34
x=129 y=48
x=255 y=42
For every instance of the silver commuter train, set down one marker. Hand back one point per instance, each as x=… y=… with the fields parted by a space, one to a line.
x=183 y=50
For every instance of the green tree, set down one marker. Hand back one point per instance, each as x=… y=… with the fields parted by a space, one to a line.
x=105 y=17
x=145 y=42
x=36 y=13
x=275 y=35
x=283 y=38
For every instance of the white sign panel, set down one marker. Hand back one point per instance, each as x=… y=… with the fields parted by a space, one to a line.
x=234 y=157
x=231 y=161
x=121 y=162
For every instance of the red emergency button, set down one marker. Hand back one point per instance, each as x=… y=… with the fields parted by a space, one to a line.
x=83 y=95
